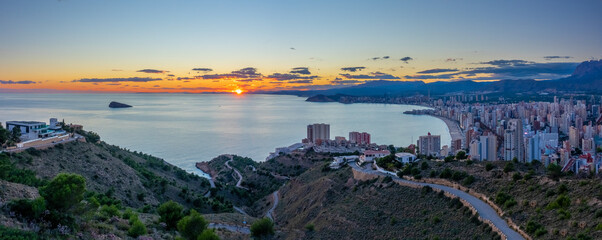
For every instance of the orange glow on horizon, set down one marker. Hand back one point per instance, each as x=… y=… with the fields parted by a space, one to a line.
x=238 y=91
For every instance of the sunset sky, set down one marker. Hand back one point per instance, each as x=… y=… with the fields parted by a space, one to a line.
x=221 y=46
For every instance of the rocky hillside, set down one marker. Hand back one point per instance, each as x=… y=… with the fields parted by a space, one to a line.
x=331 y=204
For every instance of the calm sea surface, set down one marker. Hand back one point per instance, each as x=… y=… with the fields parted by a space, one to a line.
x=188 y=128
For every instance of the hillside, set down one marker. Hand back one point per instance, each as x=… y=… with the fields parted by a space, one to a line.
x=543 y=202
x=337 y=206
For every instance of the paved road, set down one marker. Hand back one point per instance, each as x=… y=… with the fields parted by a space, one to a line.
x=238 y=184
x=240 y=210
x=485 y=211
x=271 y=210
x=231 y=228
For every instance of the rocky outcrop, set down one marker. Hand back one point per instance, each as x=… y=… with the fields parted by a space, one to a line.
x=119 y=105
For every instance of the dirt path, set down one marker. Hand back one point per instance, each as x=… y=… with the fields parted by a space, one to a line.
x=271 y=210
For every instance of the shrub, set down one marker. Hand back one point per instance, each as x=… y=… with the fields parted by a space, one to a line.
x=489 y=167
x=137 y=228
x=64 y=191
x=509 y=167
x=554 y=171
x=469 y=180
x=563 y=214
x=532 y=226
x=31 y=209
x=109 y=211
x=171 y=213
x=424 y=166
x=262 y=228
x=208 y=234
x=561 y=202
x=310 y=226
x=516 y=176
x=446 y=173
x=192 y=225
x=458 y=175
x=15 y=234
x=461 y=155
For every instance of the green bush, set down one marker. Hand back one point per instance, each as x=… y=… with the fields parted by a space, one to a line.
x=109 y=211
x=489 y=167
x=11 y=173
x=208 y=234
x=509 y=167
x=310 y=226
x=171 y=213
x=561 y=202
x=469 y=180
x=554 y=171
x=446 y=173
x=192 y=225
x=31 y=209
x=262 y=228
x=64 y=191
x=516 y=176
x=137 y=228
x=15 y=234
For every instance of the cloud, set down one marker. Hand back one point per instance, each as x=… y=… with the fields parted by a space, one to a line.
x=151 y=71
x=171 y=75
x=116 y=70
x=17 y=82
x=556 y=57
x=524 y=69
x=507 y=62
x=504 y=69
x=340 y=81
x=289 y=77
x=380 y=58
x=249 y=80
x=427 y=77
x=353 y=69
x=301 y=70
x=248 y=72
x=454 y=59
x=438 y=70
x=132 y=79
x=292 y=48
x=373 y=75
x=301 y=81
x=202 y=69
x=406 y=59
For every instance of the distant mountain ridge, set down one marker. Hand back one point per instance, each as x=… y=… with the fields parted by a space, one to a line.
x=587 y=77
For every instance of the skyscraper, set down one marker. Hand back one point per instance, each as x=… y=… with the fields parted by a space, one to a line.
x=429 y=144
x=488 y=148
x=513 y=140
x=359 y=138
x=318 y=131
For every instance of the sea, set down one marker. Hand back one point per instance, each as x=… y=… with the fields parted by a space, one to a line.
x=187 y=128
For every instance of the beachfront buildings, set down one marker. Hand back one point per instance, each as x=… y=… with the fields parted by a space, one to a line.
x=359 y=138
x=318 y=132
x=429 y=144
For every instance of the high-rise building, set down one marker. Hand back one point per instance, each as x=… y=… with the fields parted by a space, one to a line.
x=429 y=144
x=318 y=131
x=588 y=145
x=533 y=151
x=359 y=138
x=488 y=148
x=574 y=137
x=513 y=140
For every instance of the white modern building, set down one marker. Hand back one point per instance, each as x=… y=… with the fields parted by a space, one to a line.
x=370 y=155
x=405 y=157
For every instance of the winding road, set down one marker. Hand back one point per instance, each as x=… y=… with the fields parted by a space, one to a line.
x=271 y=210
x=238 y=184
x=485 y=211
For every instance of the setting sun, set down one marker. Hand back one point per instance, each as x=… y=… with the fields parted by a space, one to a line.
x=238 y=91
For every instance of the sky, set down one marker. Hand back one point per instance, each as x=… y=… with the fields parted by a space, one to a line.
x=221 y=46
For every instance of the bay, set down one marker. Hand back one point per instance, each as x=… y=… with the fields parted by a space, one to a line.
x=187 y=128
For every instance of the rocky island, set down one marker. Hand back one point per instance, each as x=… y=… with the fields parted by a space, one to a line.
x=119 y=105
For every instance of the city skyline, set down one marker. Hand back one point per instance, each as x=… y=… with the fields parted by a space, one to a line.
x=137 y=46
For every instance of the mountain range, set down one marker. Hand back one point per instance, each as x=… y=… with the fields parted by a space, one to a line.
x=587 y=77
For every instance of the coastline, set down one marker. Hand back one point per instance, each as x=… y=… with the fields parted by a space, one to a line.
x=454 y=128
